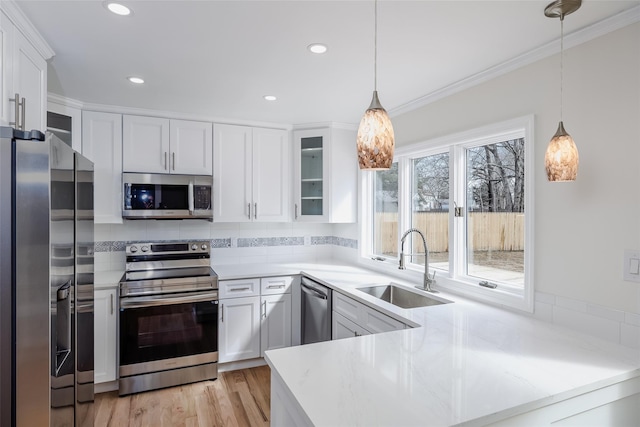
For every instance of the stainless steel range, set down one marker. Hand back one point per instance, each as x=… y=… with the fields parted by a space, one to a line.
x=168 y=316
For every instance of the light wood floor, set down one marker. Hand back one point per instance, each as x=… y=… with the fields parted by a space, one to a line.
x=236 y=398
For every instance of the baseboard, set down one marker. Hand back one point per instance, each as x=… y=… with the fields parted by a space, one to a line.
x=106 y=387
x=241 y=364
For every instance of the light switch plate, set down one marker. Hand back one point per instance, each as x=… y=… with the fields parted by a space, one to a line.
x=631 y=268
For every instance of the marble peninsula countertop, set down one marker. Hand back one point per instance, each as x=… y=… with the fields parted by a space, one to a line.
x=462 y=363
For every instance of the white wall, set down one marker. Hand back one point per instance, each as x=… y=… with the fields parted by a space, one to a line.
x=581 y=228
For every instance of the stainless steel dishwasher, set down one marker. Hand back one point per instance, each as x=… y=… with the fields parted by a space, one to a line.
x=316 y=311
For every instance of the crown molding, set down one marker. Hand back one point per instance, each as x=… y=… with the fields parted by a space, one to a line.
x=18 y=18
x=608 y=25
x=320 y=125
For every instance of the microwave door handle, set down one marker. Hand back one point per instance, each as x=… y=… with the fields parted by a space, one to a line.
x=191 y=202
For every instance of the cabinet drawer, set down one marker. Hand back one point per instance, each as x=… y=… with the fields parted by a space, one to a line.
x=364 y=316
x=239 y=288
x=276 y=285
x=346 y=306
x=376 y=322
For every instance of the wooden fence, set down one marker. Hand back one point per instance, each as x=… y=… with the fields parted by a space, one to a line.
x=500 y=231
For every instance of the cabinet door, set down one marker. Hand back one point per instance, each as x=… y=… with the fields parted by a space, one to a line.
x=102 y=144
x=105 y=330
x=232 y=153
x=191 y=145
x=270 y=166
x=6 y=69
x=30 y=82
x=146 y=144
x=239 y=329
x=341 y=327
x=276 y=322
x=312 y=167
x=66 y=123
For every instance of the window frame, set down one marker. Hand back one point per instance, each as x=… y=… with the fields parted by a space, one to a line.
x=455 y=280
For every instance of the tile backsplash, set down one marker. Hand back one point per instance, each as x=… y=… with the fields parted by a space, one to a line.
x=230 y=243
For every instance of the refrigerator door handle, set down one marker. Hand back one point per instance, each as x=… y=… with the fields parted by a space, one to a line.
x=63 y=325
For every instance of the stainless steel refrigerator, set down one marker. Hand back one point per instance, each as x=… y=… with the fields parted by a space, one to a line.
x=46 y=282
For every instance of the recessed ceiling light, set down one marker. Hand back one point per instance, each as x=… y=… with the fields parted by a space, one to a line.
x=270 y=97
x=118 y=9
x=136 y=80
x=317 y=48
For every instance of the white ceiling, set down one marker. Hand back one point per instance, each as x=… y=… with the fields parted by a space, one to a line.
x=218 y=58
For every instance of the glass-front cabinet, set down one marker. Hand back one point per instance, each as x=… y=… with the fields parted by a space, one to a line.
x=325 y=175
x=311 y=176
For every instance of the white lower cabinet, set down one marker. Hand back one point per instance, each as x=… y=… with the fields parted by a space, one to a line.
x=341 y=327
x=105 y=335
x=351 y=318
x=239 y=329
x=255 y=316
x=275 y=331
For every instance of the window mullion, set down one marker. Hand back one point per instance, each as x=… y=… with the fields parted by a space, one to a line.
x=458 y=238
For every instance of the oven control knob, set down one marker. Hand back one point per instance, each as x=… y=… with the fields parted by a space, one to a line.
x=203 y=247
x=194 y=247
x=133 y=249
x=144 y=248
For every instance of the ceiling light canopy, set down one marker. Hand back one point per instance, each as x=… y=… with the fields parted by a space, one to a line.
x=270 y=97
x=561 y=158
x=317 y=48
x=136 y=80
x=375 y=139
x=118 y=9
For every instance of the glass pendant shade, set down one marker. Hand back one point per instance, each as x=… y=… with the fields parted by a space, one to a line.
x=375 y=140
x=561 y=159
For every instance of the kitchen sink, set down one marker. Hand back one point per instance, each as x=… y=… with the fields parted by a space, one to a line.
x=402 y=297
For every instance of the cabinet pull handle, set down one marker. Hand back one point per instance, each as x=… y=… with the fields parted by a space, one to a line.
x=173 y=156
x=249 y=208
x=111 y=296
x=295 y=209
x=239 y=289
x=24 y=113
x=19 y=107
x=222 y=312
x=275 y=286
x=165 y=160
x=264 y=305
x=255 y=211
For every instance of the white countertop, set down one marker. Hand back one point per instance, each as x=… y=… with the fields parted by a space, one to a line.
x=466 y=363
x=107 y=279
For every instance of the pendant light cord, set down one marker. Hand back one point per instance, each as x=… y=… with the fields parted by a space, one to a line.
x=375 y=45
x=561 y=61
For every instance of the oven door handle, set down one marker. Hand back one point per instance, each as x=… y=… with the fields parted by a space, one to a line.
x=140 y=302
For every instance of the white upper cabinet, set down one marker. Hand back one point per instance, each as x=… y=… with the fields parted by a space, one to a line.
x=157 y=145
x=102 y=144
x=191 y=145
x=325 y=175
x=250 y=174
x=24 y=72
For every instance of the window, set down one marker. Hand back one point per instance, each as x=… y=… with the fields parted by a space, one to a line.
x=385 y=213
x=495 y=213
x=471 y=195
x=430 y=208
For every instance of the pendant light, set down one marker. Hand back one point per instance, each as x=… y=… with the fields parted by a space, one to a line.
x=375 y=140
x=561 y=157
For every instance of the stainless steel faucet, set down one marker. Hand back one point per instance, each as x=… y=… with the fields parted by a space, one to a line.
x=428 y=281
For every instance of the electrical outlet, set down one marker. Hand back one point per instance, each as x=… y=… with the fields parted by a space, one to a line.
x=631 y=268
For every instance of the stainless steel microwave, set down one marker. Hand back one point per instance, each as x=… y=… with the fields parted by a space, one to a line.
x=165 y=196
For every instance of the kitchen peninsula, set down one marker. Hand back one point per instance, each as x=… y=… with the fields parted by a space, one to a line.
x=465 y=364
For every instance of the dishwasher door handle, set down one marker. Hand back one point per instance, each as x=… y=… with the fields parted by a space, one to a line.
x=313 y=291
